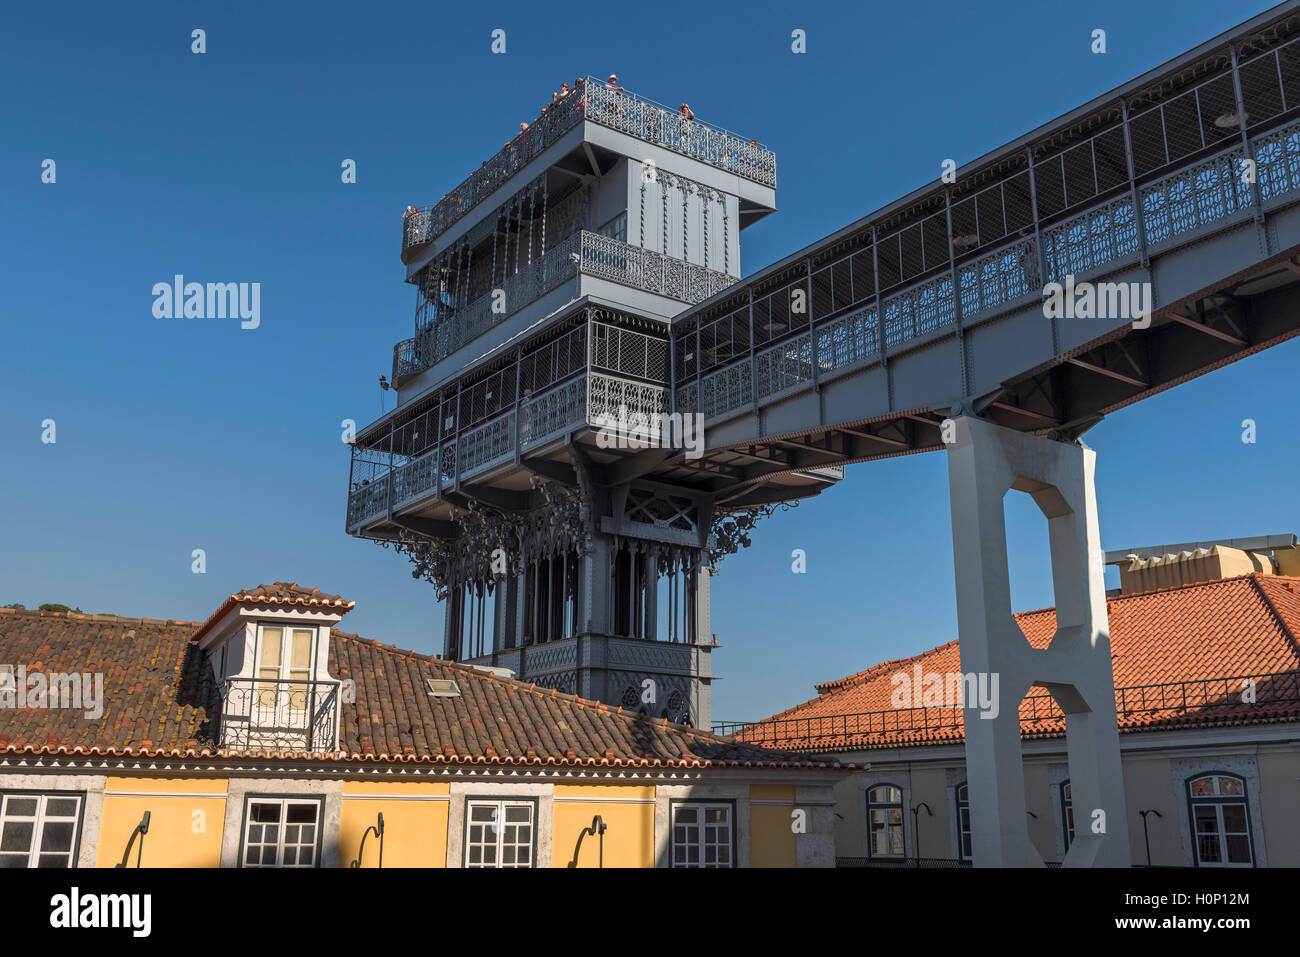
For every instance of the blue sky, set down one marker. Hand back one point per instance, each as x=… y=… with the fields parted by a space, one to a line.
x=174 y=435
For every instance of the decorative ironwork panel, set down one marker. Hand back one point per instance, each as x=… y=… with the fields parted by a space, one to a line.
x=416 y=478
x=999 y=277
x=918 y=311
x=267 y=714
x=1192 y=198
x=784 y=365
x=848 y=339
x=724 y=390
x=1278 y=157
x=608 y=258
x=647 y=120
x=607 y=394
x=565 y=682
x=486 y=444
x=1084 y=243
x=555 y=410
x=688 y=397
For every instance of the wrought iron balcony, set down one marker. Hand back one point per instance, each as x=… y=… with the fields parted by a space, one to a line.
x=381 y=481
x=623 y=111
x=582 y=252
x=268 y=714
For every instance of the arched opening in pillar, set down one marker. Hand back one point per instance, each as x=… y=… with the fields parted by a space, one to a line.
x=1029 y=552
x=552 y=597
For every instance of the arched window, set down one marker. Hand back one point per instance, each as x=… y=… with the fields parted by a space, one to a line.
x=963 y=822
x=1067 y=814
x=1220 y=820
x=885 y=821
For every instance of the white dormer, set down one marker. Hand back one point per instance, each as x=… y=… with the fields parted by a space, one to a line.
x=269 y=651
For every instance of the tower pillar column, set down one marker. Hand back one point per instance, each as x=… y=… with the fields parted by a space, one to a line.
x=985 y=462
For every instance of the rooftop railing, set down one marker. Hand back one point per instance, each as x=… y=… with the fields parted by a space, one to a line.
x=1171 y=699
x=620 y=110
x=584 y=252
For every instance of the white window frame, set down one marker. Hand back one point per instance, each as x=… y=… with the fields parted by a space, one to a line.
x=493 y=835
x=282 y=714
x=965 y=844
x=282 y=828
x=1218 y=800
x=40 y=819
x=1067 y=813
x=697 y=834
x=901 y=824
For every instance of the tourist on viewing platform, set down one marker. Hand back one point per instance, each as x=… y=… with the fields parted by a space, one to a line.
x=687 y=115
x=411 y=224
x=612 y=87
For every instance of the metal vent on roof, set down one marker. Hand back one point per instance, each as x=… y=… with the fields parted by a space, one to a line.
x=442 y=688
x=494 y=670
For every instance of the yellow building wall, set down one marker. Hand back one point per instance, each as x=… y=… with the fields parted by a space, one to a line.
x=415 y=830
x=184 y=829
x=771 y=826
x=629 y=826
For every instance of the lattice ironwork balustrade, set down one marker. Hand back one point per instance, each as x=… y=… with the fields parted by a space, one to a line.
x=623 y=111
x=1194 y=197
x=724 y=390
x=554 y=410
x=487 y=443
x=784 y=365
x=606 y=395
x=266 y=714
x=847 y=340
x=415 y=479
x=609 y=258
x=650 y=121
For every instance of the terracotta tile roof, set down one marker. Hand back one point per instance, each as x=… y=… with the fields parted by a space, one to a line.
x=160 y=698
x=277 y=593
x=1180 y=638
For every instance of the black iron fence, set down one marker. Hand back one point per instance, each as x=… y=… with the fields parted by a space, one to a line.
x=265 y=714
x=1177 y=698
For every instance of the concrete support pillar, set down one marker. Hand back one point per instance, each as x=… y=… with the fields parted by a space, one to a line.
x=984 y=463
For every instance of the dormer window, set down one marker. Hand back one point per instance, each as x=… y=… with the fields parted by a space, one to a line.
x=269 y=651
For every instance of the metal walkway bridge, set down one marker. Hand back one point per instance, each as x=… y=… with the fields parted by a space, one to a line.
x=1186 y=178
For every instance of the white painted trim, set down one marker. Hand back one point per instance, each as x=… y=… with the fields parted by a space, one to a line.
x=397 y=797
x=602 y=800
x=191 y=795
x=772 y=802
